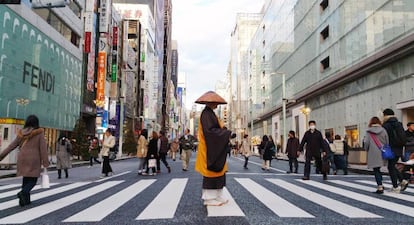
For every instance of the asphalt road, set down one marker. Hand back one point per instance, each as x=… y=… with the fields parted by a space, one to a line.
x=256 y=197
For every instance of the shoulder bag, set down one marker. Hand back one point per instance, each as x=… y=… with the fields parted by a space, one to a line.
x=386 y=150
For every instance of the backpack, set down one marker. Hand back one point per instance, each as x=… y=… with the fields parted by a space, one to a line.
x=397 y=135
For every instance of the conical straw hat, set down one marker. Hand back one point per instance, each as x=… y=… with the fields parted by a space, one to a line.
x=210 y=97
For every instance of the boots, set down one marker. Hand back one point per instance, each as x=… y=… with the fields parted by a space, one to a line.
x=66 y=173
x=380 y=189
x=59 y=174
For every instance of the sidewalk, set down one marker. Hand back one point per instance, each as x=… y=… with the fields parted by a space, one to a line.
x=75 y=163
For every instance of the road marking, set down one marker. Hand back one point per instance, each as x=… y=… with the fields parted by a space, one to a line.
x=36 y=212
x=408 y=190
x=229 y=209
x=50 y=192
x=9 y=186
x=370 y=189
x=402 y=209
x=102 y=209
x=14 y=192
x=166 y=202
x=332 y=204
x=259 y=164
x=278 y=205
x=110 y=177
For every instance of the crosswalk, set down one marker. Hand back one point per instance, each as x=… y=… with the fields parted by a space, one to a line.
x=283 y=198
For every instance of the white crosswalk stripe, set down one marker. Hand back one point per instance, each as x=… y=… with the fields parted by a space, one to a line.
x=332 y=204
x=168 y=200
x=14 y=192
x=409 y=198
x=408 y=190
x=34 y=197
x=99 y=211
x=273 y=201
x=36 y=212
x=364 y=198
x=4 y=187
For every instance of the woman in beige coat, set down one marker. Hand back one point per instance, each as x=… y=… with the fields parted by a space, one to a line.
x=175 y=144
x=32 y=155
x=142 y=149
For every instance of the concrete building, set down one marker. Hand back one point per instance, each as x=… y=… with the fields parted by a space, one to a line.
x=344 y=62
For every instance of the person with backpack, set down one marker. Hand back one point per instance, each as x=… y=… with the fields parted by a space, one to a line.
x=339 y=147
x=397 y=140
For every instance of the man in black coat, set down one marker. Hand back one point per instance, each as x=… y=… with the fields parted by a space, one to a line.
x=314 y=146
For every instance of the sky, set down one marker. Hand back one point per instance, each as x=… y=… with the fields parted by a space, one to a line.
x=202 y=29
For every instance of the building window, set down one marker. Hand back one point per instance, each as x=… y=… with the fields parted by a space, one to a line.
x=264 y=43
x=325 y=33
x=264 y=27
x=264 y=58
x=330 y=131
x=325 y=64
x=324 y=4
x=264 y=73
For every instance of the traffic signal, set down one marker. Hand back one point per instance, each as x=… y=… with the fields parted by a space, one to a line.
x=10 y=1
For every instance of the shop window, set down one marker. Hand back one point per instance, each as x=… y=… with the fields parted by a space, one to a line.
x=330 y=131
x=325 y=33
x=325 y=64
x=352 y=136
x=324 y=4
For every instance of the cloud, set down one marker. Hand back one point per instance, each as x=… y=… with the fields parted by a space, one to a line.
x=202 y=29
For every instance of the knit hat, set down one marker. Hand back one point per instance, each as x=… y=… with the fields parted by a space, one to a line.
x=210 y=97
x=388 y=112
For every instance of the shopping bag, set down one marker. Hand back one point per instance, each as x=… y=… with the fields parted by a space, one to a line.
x=152 y=163
x=45 y=179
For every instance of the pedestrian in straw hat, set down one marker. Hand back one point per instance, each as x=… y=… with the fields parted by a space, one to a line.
x=211 y=155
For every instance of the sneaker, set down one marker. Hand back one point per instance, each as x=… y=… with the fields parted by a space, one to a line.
x=288 y=171
x=89 y=167
x=325 y=177
x=169 y=169
x=222 y=200
x=305 y=178
x=380 y=189
x=395 y=190
x=404 y=185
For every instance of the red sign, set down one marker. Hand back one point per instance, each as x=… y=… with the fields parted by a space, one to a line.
x=87 y=46
x=115 y=36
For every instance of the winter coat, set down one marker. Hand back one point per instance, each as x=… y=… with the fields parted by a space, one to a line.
x=245 y=148
x=175 y=144
x=108 y=143
x=63 y=154
x=153 y=149
x=409 y=146
x=314 y=143
x=163 y=144
x=292 y=147
x=374 y=157
x=266 y=148
x=142 y=147
x=33 y=152
x=94 y=149
x=389 y=123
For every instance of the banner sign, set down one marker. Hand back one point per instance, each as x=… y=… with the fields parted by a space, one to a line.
x=100 y=95
x=87 y=46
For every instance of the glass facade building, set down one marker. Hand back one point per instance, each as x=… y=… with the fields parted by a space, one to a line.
x=345 y=61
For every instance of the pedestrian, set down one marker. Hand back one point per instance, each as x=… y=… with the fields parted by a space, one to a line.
x=63 y=153
x=292 y=147
x=186 y=145
x=409 y=145
x=94 y=150
x=397 y=140
x=314 y=148
x=174 y=146
x=162 y=152
x=245 y=149
x=211 y=154
x=142 y=150
x=374 y=154
x=266 y=148
x=108 y=143
x=233 y=145
x=31 y=157
x=273 y=148
x=152 y=155
x=339 y=147
x=330 y=155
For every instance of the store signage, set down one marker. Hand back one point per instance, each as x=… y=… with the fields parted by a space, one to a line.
x=114 y=71
x=38 y=77
x=100 y=95
x=87 y=46
x=104 y=16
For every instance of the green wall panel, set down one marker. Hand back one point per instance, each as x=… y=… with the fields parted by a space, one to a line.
x=35 y=67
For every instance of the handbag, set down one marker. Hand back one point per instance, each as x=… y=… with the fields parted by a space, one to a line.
x=152 y=163
x=45 y=179
x=386 y=151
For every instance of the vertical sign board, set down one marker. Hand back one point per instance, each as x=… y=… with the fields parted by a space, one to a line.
x=114 y=53
x=104 y=16
x=100 y=95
